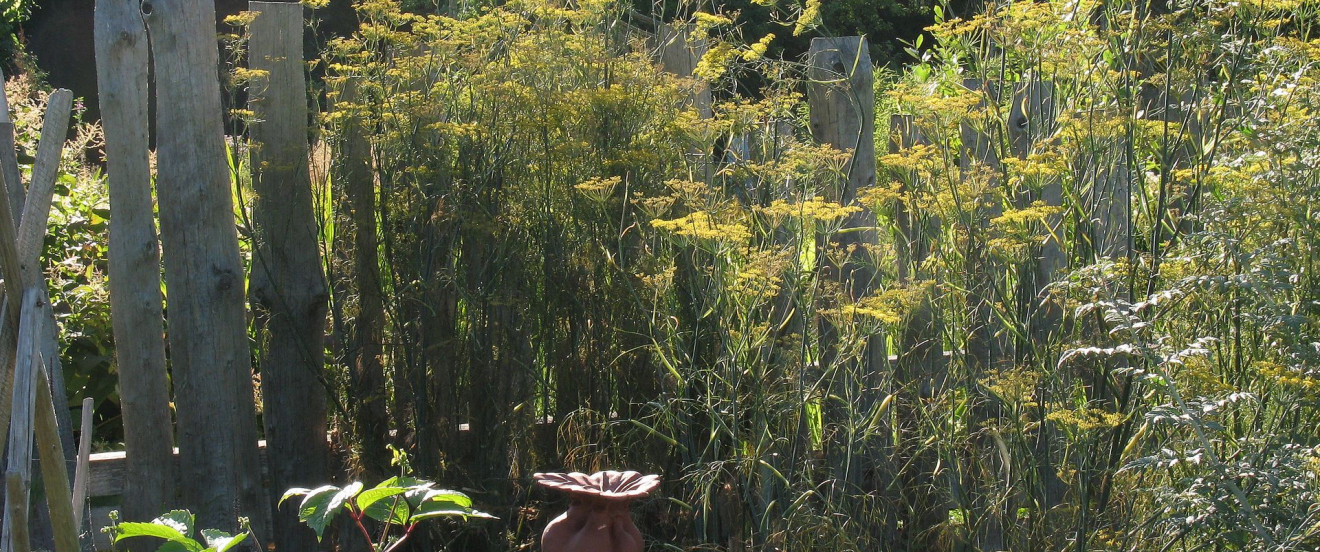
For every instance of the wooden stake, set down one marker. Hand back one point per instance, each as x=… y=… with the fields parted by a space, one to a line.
x=84 y=458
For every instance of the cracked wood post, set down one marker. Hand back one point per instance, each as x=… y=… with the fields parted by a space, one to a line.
x=20 y=253
x=841 y=99
x=288 y=291
x=987 y=343
x=220 y=475
x=21 y=423
x=1031 y=123
x=1032 y=126
x=921 y=365
x=136 y=304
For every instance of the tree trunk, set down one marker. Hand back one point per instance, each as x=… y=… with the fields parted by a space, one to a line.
x=135 y=299
x=288 y=289
x=217 y=431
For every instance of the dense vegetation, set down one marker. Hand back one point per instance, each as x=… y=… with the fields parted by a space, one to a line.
x=527 y=224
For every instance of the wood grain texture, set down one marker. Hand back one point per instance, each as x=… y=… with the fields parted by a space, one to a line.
x=54 y=471
x=22 y=422
x=136 y=304
x=288 y=290
x=211 y=364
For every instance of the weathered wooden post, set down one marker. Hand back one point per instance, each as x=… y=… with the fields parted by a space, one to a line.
x=841 y=99
x=134 y=264
x=921 y=365
x=679 y=53
x=987 y=344
x=288 y=290
x=841 y=96
x=357 y=244
x=217 y=430
x=1031 y=122
x=20 y=253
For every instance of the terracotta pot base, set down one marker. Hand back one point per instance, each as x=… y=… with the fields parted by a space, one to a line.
x=597 y=520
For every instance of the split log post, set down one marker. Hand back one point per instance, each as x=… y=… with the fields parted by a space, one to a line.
x=134 y=263
x=1031 y=122
x=987 y=344
x=679 y=53
x=921 y=366
x=841 y=99
x=211 y=363
x=352 y=170
x=288 y=290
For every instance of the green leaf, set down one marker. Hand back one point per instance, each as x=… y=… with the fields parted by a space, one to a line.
x=446 y=495
x=173 y=546
x=443 y=508
x=181 y=520
x=394 y=510
x=220 y=541
x=296 y=491
x=349 y=491
x=130 y=529
x=371 y=496
x=315 y=509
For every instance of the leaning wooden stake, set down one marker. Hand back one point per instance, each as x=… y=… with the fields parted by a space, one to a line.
x=84 y=458
x=134 y=264
x=20 y=245
x=54 y=473
x=22 y=424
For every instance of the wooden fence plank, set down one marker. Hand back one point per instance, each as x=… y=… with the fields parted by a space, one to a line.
x=22 y=423
x=287 y=290
x=209 y=350
x=136 y=304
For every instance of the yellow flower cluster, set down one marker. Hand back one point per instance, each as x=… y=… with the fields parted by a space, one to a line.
x=598 y=189
x=702 y=226
x=811 y=209
x=1085 y=419
x=1302 y=381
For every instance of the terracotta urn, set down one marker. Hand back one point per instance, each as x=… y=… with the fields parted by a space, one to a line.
x=597 y=519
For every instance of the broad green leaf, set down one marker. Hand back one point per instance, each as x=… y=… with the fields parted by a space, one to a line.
x=220 y=541
x=371 y=496
x=322 y=493
x=446 y=495
x=349 y=491
x=130 y=529
x=315 y=509
x=389 y=510
x=296 y=491
x=181 y=520
x=442 y=508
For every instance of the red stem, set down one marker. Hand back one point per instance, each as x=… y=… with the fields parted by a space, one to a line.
x=357 y=518
x=407 y=530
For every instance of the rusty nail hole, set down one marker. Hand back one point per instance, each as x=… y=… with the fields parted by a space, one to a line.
x=146 y=8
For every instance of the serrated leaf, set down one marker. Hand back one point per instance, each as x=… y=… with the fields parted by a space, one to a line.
x=446 y=495
x=130 y=529
x=315 y=509
x=349 y=491
x=320 y=493
x=436 y=509
x=391 y=510
x=371 y=496
x=220 y=541
x=181 y=520
x=296 y=491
